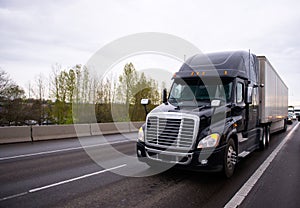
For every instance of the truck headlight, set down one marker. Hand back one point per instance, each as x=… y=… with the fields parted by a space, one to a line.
x=211 y=140
x=141 y=135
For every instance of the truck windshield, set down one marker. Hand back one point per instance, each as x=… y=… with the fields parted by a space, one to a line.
x=184 y=91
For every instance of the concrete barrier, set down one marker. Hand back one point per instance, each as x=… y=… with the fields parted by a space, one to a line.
x=134 y=126
x=113 y=128
x=24 y=133
x=15 y=134
x=60 y=131
x=107 y=128
x=83 y=130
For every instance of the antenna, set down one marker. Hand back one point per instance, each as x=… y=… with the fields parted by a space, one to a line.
x=249 y=65
x=29 y=90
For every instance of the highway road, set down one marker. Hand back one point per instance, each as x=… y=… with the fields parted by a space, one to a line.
x=60 y=173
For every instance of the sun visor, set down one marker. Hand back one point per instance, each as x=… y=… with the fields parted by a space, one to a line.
x=228 y=64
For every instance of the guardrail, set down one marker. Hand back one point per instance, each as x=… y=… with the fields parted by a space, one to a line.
x=37 y=133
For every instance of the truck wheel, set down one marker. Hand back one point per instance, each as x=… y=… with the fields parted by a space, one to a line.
x=229 y=159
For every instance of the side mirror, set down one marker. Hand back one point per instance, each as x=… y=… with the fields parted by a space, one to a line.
x=215 y=103
x=145 y=101
x=164 y=96
x=248 y=99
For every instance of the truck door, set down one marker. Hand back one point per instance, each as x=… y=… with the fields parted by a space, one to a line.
x=249 y=115
x=240 y=109
x=253 y=110
x=252 y=113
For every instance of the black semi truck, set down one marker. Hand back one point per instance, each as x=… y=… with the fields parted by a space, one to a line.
x=221 y=107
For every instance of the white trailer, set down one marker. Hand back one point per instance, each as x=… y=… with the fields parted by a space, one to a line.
x=274 y=97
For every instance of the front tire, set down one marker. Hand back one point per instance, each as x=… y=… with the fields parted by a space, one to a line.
x=229 y=159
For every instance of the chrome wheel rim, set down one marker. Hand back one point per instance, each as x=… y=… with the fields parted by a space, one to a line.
x=231 y=158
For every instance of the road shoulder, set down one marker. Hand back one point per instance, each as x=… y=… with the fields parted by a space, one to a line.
x=279 y=185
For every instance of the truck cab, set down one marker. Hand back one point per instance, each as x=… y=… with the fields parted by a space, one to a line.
x=211 y=118
x=297 y=113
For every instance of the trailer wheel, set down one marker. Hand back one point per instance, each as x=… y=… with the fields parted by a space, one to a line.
x=285 y=126
x=264 y=142
x=230 y=159
x=268 y=135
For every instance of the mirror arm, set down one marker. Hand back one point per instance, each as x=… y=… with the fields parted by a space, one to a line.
x=145 y=102
x=164 y=96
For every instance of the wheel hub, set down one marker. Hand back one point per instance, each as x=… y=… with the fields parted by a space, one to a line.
x=231 y=158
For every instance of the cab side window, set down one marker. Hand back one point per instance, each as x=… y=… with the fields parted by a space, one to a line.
x=239 y=92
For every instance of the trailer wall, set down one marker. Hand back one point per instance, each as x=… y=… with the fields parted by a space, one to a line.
x=274 y=94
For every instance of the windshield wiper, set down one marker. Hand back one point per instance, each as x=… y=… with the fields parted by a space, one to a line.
x=200 y=108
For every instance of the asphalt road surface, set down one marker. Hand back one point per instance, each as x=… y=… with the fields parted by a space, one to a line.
x=60 y=173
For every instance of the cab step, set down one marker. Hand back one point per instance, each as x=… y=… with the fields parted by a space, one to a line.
x=244 y=154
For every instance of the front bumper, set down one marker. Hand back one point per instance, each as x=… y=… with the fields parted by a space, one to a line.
x=198 y=160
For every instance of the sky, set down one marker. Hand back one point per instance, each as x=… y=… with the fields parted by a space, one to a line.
x=34 y=34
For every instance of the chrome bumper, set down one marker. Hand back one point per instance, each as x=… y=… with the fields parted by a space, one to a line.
x=169 y=157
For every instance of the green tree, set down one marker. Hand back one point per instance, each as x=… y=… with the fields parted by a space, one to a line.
x=12 y=106
x=127 y=82
x=134 y=86
x=104 y=99
x=144 y=88
x=5 y=82
x=62 y=82
x=38 y=91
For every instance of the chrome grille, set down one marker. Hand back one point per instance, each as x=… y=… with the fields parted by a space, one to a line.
x=164 y=131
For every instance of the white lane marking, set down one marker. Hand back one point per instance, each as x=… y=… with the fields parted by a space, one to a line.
x=61 y=183
x=13 y=196
x=239 y=197
x=61 y=150
x=74 y=179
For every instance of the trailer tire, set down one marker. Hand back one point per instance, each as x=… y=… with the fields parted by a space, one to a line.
x=264 y=142
x=285 y=126
x=230 y=159
x=268 y=135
